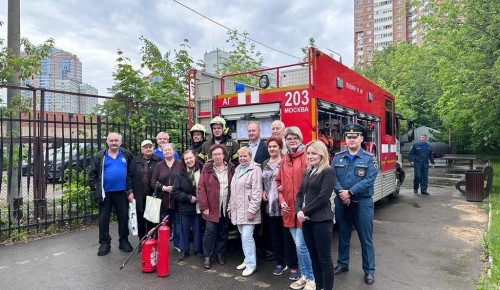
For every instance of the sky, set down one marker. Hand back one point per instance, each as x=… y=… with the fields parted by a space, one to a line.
x=95 y=30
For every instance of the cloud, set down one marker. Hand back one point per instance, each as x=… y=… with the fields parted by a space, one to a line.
x=95 y=30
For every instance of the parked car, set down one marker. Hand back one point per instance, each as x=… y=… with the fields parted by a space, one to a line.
x=69 y=156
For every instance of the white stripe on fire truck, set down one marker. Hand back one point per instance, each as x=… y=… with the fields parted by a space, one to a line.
x=242 y=98
x=254 y=97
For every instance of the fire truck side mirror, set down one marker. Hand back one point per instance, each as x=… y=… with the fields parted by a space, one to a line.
x=411 y=135
x=411 y=131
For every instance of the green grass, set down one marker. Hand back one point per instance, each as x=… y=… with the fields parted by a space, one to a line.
x=491 y=239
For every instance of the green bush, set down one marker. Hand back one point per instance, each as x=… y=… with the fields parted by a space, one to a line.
x=76 y=194
x=491 y=239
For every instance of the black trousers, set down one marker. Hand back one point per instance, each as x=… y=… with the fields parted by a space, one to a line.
x=215 y=237
x=282 y=242
x=318 y=238
x=117 y=200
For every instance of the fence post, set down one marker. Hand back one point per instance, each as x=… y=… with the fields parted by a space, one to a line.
x=39 y=185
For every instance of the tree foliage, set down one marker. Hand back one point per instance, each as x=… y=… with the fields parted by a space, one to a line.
x=243 y=57
x=452 y=80
x=26 y=65
x=305 y=49
x=161 y=94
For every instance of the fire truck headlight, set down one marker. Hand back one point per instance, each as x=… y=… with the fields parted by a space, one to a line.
x=264 y=82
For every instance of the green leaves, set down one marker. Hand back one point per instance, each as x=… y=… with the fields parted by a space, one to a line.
x=452 y=80
x=242 y=57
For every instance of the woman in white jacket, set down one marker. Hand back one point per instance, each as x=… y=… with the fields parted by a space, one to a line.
x=244 y=206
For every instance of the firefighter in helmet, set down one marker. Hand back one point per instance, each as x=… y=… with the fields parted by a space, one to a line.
x=198 y=136
x=220 y=135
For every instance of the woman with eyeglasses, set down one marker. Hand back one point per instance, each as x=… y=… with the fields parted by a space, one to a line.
x=292 y=168
x=214 y=191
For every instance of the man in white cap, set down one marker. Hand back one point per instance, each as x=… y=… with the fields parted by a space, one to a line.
x=141 y=170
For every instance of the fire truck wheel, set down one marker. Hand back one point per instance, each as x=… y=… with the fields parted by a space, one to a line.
x=395 y=194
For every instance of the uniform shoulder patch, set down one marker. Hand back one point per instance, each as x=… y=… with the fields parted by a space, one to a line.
x=375 y=162
x=340 y=152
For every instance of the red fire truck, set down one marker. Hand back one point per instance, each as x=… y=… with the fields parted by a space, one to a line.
x=319 y=96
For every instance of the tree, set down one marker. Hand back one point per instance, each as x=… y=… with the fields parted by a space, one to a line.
x=467 y=41
x=407 y=71
x=26 y=65
x=243 y=57
x=160 y=95
x=451 y=81
x=305 y=49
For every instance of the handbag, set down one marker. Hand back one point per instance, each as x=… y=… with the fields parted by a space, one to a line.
x=132 y=218
x=152 y=210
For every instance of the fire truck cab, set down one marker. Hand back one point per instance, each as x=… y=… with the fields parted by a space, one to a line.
x=319 y=96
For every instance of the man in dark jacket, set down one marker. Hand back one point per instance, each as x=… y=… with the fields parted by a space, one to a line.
x=221 y=136
x=141 y=169
x=198 y=136
x=420 y=154
x=257 y=145
x=108 y=181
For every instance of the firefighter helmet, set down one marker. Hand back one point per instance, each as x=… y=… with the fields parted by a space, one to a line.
x=199 y=128
x=220 y=121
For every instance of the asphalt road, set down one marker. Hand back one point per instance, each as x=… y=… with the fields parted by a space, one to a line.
x=421 y=242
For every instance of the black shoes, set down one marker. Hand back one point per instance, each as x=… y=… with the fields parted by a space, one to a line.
x=125 y=246
x=338 y=270
x=369 y=278
x=221 y=259
x=182 y=257
x=425 y=193
x=103 y=249
x=207 y=263
x=415 y=191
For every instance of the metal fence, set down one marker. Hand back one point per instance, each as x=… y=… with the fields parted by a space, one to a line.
x=45 y=161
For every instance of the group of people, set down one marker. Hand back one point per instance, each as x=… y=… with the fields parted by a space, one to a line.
x=281 y=184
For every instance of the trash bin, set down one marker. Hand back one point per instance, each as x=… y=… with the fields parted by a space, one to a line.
x=474 y=185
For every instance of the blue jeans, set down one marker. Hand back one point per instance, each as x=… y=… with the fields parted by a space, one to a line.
x=305 y=264
x=248 y=245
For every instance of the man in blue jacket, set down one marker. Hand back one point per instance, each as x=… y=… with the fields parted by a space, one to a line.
x=356 y=172
x=420 y=154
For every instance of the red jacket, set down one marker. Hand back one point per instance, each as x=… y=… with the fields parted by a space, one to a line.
x=289 y=177
x=209 y=191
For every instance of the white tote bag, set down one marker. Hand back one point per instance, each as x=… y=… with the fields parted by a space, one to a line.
x=152 y=210
x=132 y=218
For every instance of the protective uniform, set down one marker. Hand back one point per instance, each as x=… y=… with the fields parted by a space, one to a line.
x=357 y=174
x=231 y=145
x=420 y=154
x=196 y=146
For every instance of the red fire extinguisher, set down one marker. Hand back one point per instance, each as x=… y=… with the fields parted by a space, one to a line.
x=149 y=256
x=163 y=268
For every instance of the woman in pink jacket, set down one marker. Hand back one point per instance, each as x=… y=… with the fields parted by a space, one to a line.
x=244 y=206
x=292 y=168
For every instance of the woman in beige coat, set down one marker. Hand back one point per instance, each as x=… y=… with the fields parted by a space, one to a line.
x=244 y=206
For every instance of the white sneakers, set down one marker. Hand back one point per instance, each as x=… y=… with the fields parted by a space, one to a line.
x=248 y=272
x=310 y=285
x=241 y=266
x=302 y=283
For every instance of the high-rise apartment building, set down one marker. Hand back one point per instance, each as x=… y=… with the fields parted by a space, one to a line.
x=62 y=71
x=213 y=59
x=378 y=23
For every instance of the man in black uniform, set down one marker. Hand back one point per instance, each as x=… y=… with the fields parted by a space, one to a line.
x=220 y=136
